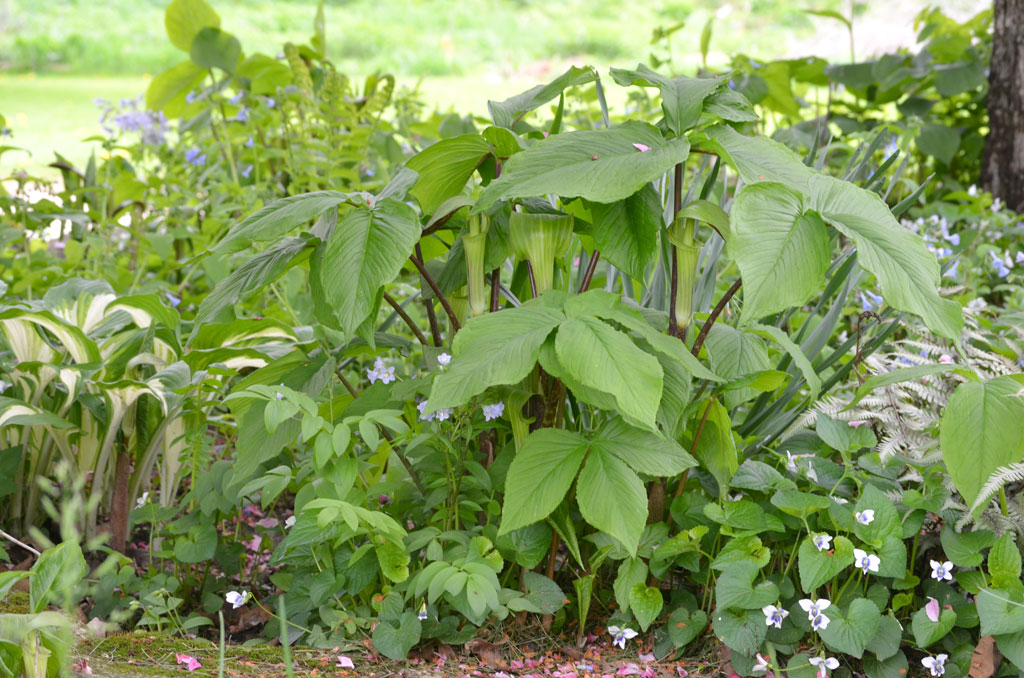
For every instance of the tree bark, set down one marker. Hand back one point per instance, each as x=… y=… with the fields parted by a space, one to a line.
x=1002 y=170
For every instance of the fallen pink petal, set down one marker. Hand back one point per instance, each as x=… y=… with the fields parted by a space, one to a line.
x=643 y=148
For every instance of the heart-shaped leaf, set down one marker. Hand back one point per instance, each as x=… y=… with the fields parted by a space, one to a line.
x=735 y=588
x=646 y=603
x=395 y=642
x=926 y=631
x=852 y=630
x=683 y=626
x=817 y=567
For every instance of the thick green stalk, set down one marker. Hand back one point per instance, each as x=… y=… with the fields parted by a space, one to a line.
x=541 y=239
x=474 y=244
x=687 y=252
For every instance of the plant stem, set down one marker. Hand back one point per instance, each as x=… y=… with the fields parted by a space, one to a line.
x=418 y=263
x=495 y=289
x=717 y=311
x=435 y=332
x=693 y=448
x=677 y=205
x=405 y=317
x=589 y=274
x=533 y=282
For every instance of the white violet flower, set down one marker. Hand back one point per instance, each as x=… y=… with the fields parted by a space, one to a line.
x=936 y=665
x=421 y=406
x=866 y=561
x=142 y=500
x=444 y=360
x=493 y=411
x=823 y=542
x=942 y=571
x=761 y=665
x=423 y=612
x=621 y=635
x=443 y=414
x=824 y=664
x=236 y=598
x=814 y=607
x=774 y=615
x=865 y=517
x=819 y=622
x=385 y=373
x=289 y=522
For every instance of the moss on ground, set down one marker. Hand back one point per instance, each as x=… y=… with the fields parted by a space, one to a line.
x=16 y=602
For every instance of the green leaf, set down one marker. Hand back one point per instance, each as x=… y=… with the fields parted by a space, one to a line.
x=818 y=567
x=795 y=353
x=964 y=549
x=939 y=141
x=198 y=545
x=646 y=603
x=167 y=91
x=981 y=432
x=265 y=74
x=851 y=630
x=544 y=593
x=886 y=642
x=904 y=374
x=800 y=666
x=494 y=349
x=709 y=213
x=214 y=48
x=1011 y=645
x=886 y=522
x=393 y=560
x=642 y=450
x=782 y=249
x=716 y=449
x=367 y=250
x=598 y=165
x=735 y=588
x=8 y=580
x=907 y=272
x=445 y=167
x=1001 y=610
x=799 y=504
x=607 y=360
x=529 y=544
x=612 y=498
x=395 y=642
x=540 y=475
x=507 y=113
x=632 y=571
x=734 y=353
x=926 y=631
x=895 y=666
x=682 y=98
x=684 y=626
x=742 y=631
x=626 y=232
x=185 y=18
x=248 y=278
x=281 y=216
x=55 y=574
x=841 y=436
x=1004 y=563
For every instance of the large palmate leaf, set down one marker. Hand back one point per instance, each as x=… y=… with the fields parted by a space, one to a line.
x=626 y=232
x=445 y=167
x=981 y=431
x=782 y=249
x=495 y=348
x=642 y=450
x=246 y=279
x=185 y=18
x=507 y=113
x=600 y=165
x=281 y=216
x=612 y=498
x=906 y=271
x=167 y=91
x=682 y=98
x=734 y=353
x=366 y=250
x=214 y=48
x=602 y=358
x=540 y=475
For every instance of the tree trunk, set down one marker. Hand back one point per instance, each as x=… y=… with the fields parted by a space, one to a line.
x=1002 y=170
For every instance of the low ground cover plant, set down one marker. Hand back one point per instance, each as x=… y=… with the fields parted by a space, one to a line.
x=364 y=376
